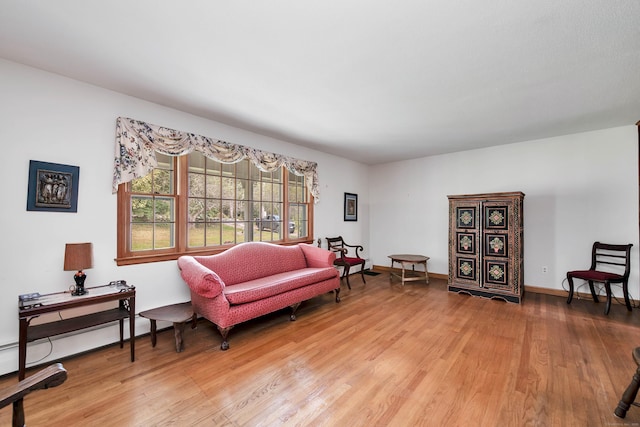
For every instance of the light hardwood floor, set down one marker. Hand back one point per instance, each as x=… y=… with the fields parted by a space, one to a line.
x=386 y=355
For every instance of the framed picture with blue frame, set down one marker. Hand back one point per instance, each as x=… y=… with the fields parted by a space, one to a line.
x=52 y=187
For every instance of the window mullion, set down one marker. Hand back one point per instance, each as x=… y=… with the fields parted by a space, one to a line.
x=181 y=176
x=285 y=204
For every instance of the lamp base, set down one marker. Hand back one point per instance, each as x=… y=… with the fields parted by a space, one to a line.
x=79 y=278
x=79 y=291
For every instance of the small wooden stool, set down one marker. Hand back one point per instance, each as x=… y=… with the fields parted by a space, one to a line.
x=179 y=314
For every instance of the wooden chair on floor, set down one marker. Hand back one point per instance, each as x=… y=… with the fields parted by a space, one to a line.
x=629 y=395
x=51 y=376
x=341 y=249
x=609 y=264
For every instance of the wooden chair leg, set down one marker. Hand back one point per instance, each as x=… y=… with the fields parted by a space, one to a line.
x=346 y=274
x=593 y=291
x=625 y=289
x=570 y=297
x=607 y=307
x=629 y=396
x=362 y=272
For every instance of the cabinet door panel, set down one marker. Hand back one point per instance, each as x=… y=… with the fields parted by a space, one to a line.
x=496 y=274
x=465 y=243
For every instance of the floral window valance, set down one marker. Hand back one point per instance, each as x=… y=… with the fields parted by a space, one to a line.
x=137 y=142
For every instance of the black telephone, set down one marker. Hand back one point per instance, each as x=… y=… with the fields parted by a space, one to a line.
x=119 y=283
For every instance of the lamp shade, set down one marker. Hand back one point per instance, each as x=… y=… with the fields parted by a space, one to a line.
x=78 y=256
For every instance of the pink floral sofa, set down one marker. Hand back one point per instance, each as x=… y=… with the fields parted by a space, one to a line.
x=256 y=278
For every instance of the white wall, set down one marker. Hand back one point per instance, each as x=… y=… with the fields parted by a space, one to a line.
x=50 y=118
x=578 y=189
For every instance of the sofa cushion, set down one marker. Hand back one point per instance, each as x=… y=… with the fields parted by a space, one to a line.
x=253 y=260
x=264 y=287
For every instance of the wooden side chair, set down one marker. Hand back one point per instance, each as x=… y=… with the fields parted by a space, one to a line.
x=629 y=395
x=341 y=249
x=609 y=264
x=51 y=376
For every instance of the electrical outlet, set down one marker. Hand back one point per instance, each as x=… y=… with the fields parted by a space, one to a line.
x=545 y=269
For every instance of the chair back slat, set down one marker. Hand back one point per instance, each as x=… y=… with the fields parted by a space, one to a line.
x=604 y=254
x=611 y=263
x=336 y=244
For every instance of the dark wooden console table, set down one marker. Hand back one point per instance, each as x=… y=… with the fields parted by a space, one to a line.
x=56 y=302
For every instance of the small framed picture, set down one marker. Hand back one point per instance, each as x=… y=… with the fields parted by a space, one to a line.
x=350 y=207
x=52 y=187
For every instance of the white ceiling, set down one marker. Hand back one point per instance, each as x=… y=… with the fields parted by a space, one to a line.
x=370 y=80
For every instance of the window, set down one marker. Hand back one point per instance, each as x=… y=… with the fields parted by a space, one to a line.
x=193 y=204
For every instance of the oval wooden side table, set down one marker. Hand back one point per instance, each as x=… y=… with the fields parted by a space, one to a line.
x=179 y=314
x=407 y=260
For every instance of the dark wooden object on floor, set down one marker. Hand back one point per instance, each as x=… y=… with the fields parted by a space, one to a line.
x=51 y=376
x=123 y=294
x=179 y=314
x=341 y=249
x=629 y=395
x=604 y=256
x=406 y=260
x=486 y=245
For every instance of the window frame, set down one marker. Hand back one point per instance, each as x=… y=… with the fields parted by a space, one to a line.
x=125 y=256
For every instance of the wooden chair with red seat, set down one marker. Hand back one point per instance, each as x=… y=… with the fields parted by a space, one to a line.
x=609 y=264
x=341 y=249
x=51 y=376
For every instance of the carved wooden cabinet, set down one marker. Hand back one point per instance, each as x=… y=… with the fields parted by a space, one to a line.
x=486 y=245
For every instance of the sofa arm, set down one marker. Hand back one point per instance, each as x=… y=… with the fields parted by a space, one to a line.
x=199 y=278
x=317 y=257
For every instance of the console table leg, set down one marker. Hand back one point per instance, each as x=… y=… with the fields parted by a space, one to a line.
x=22 y=349
x=132 y=327
x=121 y=325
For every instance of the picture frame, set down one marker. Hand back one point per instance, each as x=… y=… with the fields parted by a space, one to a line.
x=53 y=187
x=350 y=207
